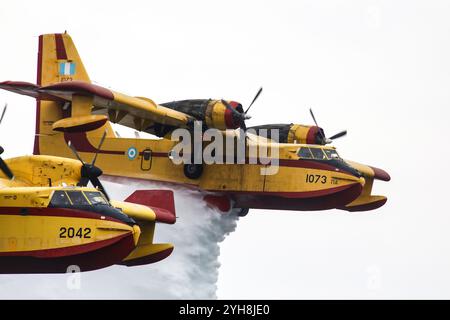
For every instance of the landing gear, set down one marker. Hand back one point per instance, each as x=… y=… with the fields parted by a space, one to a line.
x=193 y=171
x=243 y=212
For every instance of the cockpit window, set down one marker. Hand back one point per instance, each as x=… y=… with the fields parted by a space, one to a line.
x=305 y=153
x=331 y=154
x=77 y=198
x=318 y=153
x=87 y=201
x=59 y=199
x=95 y=197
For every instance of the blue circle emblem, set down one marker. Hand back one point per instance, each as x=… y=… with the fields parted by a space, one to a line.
x=132 y=153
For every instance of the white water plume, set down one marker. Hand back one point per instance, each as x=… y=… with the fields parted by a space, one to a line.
x=191 y=272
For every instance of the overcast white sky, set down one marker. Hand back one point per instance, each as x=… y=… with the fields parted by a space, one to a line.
x=380 y=69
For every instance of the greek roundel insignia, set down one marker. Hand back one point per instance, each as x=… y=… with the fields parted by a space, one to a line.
x=131 y=153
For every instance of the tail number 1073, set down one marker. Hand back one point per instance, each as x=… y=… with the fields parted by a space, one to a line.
x=316 y=178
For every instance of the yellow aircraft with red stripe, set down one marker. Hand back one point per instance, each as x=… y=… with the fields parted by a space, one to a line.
x=311 y=175
x=49 y=224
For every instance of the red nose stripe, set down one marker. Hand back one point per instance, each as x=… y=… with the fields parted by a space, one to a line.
x=311 y=136
x=229 y=121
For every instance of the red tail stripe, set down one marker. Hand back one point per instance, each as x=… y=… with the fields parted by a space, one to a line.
x=60 y=48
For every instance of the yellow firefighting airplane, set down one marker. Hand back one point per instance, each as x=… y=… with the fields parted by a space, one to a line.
x=50 y=220
x=311 y=175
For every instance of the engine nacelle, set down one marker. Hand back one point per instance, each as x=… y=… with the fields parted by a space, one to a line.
x=294 y=133
x=213 y=113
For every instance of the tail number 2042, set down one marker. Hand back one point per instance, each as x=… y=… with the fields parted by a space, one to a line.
x=74 y=232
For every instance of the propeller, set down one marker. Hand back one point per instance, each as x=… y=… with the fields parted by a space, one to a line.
x=236 y=114
x=89 y=172
x=242 y=116
x=3 y=166
x=326 y=140
x=3 y=112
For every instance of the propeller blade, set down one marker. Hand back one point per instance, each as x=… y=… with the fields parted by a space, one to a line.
x=99 y=147
x=243 y=126
x=317 y=125
x=74 y=151
x=254 y=99
x=83 y=182
x=3 y=112
x=338 y=135
x=96 y=183
x=5 y=169
x=312 y=115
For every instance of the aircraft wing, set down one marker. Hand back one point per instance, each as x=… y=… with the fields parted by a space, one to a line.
x=138 y=113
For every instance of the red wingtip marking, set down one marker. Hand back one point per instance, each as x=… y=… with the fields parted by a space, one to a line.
x=380 y=174
x=161 y=201
x=80 y=87
x=220 y=202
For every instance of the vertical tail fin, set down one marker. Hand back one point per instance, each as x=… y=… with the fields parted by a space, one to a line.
x=58 y=61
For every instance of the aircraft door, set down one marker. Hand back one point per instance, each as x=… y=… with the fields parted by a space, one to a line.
x=146 y=160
